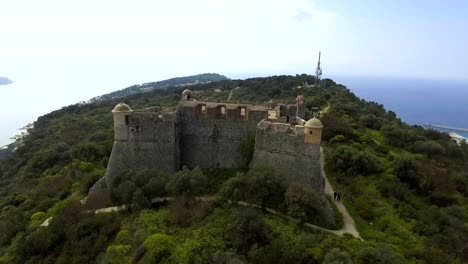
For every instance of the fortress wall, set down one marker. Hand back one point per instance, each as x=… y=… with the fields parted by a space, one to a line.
x=214 y=142
x=288 y=154
x=214 y=139
x=153 y=143
x=297 y=161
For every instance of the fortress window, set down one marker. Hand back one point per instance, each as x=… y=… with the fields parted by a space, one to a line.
x=203 y=109
x=310 y=132
x=242 y=111
x=126 y=120
x=223 y=110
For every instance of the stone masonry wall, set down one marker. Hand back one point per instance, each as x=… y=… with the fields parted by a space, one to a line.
x=279 y=147
x=153 y=143
x=214 y=140
x=287 y=153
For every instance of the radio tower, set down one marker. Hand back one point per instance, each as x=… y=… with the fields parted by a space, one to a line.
x=318 y=71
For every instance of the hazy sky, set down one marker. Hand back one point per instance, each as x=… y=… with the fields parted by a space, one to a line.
x=61 y=52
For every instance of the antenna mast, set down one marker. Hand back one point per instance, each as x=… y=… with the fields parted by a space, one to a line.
x=318 y=71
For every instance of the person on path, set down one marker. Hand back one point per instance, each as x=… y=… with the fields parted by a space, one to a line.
x=338 y=197
x=334 y=196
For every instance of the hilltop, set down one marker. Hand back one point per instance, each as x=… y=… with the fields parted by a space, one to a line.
x=5 y=81
x=164 y=84
x=406 y=188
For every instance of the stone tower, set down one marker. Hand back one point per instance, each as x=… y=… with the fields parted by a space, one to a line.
x=121 y=114
x=313 y=131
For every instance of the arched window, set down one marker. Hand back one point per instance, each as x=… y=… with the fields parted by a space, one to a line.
x=242 y=111
x=223 y=110
x=203 y=109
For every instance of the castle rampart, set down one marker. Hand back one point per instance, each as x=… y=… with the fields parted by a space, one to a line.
x=282 y=146
x=210 y=135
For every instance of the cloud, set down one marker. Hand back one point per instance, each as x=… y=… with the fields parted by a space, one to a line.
x=5 y=81
x=302 y=14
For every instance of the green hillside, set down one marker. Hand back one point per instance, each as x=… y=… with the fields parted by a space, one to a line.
x=406 y=188
x=173 y=82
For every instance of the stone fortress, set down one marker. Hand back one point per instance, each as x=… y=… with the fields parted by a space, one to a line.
x=211 y=135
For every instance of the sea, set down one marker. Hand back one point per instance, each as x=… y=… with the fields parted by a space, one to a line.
x=416 y=101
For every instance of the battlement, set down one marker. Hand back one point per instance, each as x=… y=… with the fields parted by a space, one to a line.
x=227 y=111
x=281 y=127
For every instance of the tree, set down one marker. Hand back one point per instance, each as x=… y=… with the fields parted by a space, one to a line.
x=124 y=192
x=380 y=254
x=334 y=125
x=266 y=187
x=406 y=170
x=303 y=203
x=87 y=151
x=248 y=231
x=349 y=160
x=430 y=148
x=156 y=186
x=139 y=201
x=371 y=121
x=235 y=188
x=262 y=186
x=158 y=246
x=336 y=256
x=187 y=181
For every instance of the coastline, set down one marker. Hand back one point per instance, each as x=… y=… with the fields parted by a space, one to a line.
x=456 y=133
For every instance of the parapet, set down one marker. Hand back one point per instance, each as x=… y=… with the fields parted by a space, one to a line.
x=281 y=127
x=228 y=111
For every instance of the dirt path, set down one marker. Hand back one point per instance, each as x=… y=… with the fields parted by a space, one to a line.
x=348 y=222
x=325 y=110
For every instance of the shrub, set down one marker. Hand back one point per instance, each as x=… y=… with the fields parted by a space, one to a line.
x=123 y=237
x=333 y=125
x=371 y=121
x=394 y=189
x=139 y=201
x=262 y=186
x=304 y=204
x=38 y=216
x=336 y=256
x=406 y=170
x=119 y=254
x=430 y=148
x=158 y=246
x=337 y=139
x=248 y=231
x=193 y=182
x=380 y=254
x=349 y=160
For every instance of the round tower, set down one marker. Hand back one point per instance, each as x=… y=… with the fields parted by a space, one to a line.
x=313 y=131
x=186 y=95
x=121 y=114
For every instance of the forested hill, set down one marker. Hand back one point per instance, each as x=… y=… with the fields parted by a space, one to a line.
x=173 y=82
x=5 y=81
x=406 y=188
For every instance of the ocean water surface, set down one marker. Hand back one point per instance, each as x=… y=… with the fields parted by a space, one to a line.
x=416 y=101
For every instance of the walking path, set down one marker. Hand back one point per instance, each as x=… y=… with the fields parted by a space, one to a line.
x=348 y=222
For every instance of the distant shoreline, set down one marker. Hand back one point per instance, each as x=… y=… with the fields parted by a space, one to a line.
x=447 y=127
